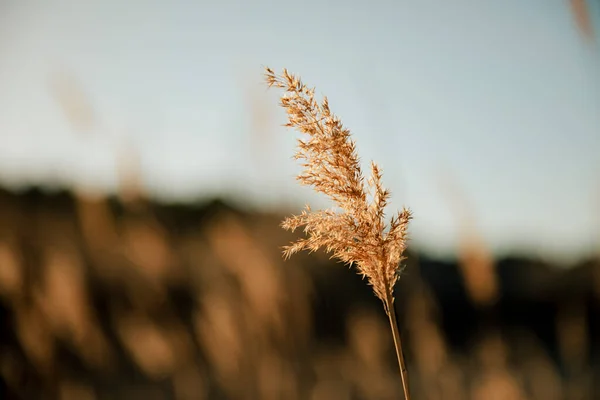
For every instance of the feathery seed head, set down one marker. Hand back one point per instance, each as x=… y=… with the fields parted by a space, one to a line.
x=358 y=234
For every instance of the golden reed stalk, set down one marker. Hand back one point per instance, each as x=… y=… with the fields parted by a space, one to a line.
x=356 y=233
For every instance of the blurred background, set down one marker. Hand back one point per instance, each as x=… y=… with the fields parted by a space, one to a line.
x=144 y=173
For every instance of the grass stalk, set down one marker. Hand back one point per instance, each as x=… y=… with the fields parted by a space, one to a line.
x=391 y=312
x=355 y=231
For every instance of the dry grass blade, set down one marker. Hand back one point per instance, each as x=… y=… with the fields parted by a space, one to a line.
x=358 y=234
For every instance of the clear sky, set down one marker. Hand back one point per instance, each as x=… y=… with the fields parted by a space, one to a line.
x=499 y=100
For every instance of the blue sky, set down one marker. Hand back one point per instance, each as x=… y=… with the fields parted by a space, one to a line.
x=498 y=99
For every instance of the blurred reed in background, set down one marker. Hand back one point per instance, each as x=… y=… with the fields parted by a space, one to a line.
x=100 y=300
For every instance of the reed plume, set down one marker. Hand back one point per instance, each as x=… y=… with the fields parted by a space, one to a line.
x=355 y=230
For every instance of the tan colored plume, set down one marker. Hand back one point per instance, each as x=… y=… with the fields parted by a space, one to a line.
x=355 y=231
